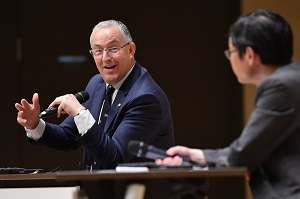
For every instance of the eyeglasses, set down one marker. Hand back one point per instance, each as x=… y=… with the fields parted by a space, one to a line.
x=228 y=52
x=110 y=51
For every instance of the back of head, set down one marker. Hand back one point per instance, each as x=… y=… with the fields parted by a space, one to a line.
x=268 y=33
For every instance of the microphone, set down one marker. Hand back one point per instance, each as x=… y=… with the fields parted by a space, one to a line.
x=140 y=149
x=80 y=96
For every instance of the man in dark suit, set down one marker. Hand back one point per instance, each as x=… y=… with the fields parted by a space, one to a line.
x=260 y=52
x=139 y=110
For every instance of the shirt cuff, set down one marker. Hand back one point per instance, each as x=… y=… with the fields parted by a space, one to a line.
x=38 y=132
x=84 y=121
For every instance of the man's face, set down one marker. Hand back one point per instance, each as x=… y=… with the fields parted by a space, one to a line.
x=238 y=64
x=113 y=66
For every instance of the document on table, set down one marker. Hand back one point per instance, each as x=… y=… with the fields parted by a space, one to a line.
x=147 y=166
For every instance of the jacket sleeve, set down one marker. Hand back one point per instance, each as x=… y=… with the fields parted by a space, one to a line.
x=269 y=125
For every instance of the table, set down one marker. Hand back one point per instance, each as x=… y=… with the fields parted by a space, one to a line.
x=168 y=183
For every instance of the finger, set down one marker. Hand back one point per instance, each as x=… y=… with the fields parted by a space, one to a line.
x=64 y=104
x=173 y=161
x=20 y=118
x=59 y=111
x=158 y=161
x=18 y=106
x=35 y=101
x=22 y=121
x=25 y=104
x=180 y=150
x=57 y=101
x=60 y=108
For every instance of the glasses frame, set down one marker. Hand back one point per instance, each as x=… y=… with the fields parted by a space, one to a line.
x=110 y=51
x=228 y=53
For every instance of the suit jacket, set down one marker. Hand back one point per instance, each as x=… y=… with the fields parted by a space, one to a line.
x=270 y=142
x=140 y=111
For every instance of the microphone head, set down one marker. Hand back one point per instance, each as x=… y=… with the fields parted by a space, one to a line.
x=82 y=96
x=137 y=148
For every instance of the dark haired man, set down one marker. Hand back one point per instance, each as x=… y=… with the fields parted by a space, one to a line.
x=260 y=52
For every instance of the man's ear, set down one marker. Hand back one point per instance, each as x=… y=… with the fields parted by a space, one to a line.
x=132 y=49
x=251 y=56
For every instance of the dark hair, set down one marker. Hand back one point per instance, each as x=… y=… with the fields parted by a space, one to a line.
x=268 y=33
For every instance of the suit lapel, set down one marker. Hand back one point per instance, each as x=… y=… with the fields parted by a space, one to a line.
x=121 y=95
x=98 y=100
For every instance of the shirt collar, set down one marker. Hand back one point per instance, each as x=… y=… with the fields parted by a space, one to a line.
x=118 y=85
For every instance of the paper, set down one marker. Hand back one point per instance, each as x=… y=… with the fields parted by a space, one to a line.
x=131 y=169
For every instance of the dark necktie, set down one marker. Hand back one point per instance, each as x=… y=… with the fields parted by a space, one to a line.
x=107 y=104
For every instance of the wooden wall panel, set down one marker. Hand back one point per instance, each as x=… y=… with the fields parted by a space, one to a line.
x=180 y=43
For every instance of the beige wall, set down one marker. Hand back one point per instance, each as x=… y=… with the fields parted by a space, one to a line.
x=289 y=9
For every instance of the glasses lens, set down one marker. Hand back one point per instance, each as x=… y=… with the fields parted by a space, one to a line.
x=112 y=50
x=227 y=54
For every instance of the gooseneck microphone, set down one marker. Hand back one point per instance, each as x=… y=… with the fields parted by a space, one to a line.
x=140 y=149
x=80 y=96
